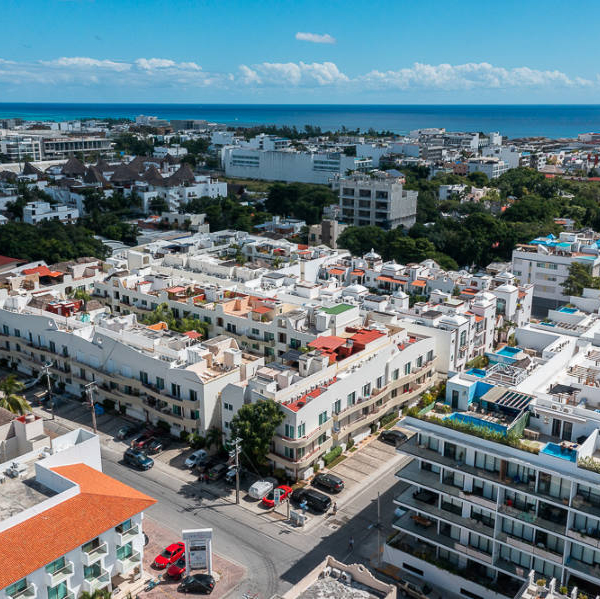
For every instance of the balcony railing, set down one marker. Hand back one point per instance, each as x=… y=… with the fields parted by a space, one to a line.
x=123 y=537
x=95 y=584
x=91 y=557
x=126 y=565
x=52 y=579
x=29 y=592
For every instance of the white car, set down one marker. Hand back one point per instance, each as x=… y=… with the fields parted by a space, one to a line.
x=196 y=458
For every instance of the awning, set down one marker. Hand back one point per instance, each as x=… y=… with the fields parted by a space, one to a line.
x=418 y=283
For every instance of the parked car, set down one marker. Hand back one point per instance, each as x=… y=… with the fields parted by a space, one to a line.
x=127 y=431
x=137 y=458
x=157 y=445
x=409 y=589
x=196 y=458
x=316 y=501
x=217 y=471
x=198 y=583
x=269 y=499
x=393 y=437
x=169 y=555
x=203 y=467
x=177 y=569
x=328 y=482
x=141 y=440
x=230 y=475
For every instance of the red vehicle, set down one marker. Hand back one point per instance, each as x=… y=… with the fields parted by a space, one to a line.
x=170 y=555
x=142 y=440
x=177 y=570
x=269 y=499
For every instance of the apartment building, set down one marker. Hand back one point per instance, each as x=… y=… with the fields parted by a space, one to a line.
x=505 y=477
x=493 y=167
x=289 y=165
x=147 y=372
x=17 y=147
x=62 y=147
x=376 y=200
x=36 y=212
x=544 y=262
x=336 y=391
x=66 y=527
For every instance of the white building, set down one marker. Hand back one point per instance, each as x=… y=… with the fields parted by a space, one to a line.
x=377 y=200
x=36 y=212
x=18 y=146
x=490 y=166
x=288 y=165
x=71 y=528
x=175 y=150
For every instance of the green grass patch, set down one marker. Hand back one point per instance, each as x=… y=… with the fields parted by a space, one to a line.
x=389 y=425
x=353 y=449
x=337 y=460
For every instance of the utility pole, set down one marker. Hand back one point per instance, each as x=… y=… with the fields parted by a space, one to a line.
x=378 y=531
x=46 y=369
x=89 y=390
x=235 y=453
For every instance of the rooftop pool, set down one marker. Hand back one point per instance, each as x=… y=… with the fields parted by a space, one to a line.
x=557 y=451
x=567 y=310
x=509 y=352
x=493 y=427
x=477 y=372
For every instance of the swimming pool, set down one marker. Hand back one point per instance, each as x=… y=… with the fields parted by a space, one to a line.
x=493 y=427
x=508 y=351
x=567 y=310
x=557 y=451
x=477 y=372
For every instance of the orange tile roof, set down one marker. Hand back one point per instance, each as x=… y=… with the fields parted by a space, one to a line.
x=478 y=318
x=102 y=504
x=327 y=342
x=43 y=271
x=337 y=271
x=159 y=326
x=418 y=283
x=261 y=309
x=192 y=334
x=389 y=280
x=358 y=272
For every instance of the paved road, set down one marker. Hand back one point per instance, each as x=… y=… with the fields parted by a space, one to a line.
x=275 y=556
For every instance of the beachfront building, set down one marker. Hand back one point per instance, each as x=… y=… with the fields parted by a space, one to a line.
x=67 y=527
x=544 y=262
x=337 y=391
x=376 y=199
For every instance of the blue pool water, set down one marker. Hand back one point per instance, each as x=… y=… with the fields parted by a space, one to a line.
x=567 y=310
x=494 y=427
x=557 y=451
x=509 y=352
x=477 y=372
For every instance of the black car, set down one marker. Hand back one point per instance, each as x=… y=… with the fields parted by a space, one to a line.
x=158 y=445
x=218 y=471
x=198 y=583
x=318 y=502
x=393 y=437
x=128 y=430
x=328 y=482
x=138 y=458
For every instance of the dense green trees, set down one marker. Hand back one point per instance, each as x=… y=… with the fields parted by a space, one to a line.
x=128 y=143
x=255 y=425
x=51 y=241
x=580 y=277
x=300 y=200
x=227 y=213
x=163 y=313
x=106 y=215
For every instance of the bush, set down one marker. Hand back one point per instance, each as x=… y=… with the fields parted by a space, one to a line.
x=164 y=427
x=315 y=467
x=350 y=443
x=563 y=590
x=196 y=441
x=183 y=436
x=331 y=455
x=279 y=474
x=388 y=418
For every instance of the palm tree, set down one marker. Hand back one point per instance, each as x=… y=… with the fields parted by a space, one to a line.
x=214 y=436
x=97 y=594
x=11 y=399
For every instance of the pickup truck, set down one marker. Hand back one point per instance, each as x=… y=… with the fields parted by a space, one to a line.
x=409 y=589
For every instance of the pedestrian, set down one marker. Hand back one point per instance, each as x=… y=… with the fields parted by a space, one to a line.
x=351 y=543
x=334 y=508
x=304 y=506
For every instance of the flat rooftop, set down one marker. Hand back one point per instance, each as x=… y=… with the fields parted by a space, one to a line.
x=331 y=588
x=18 y=494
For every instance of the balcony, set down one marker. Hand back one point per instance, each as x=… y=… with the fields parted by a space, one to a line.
x=60 y=575
x=531 y=518
x=91 y=557
x=123 y=537
x=29 y=592
x=580 y=567
x=583 y=537
x=126 y=565
x=529 y=547
x=95 y=584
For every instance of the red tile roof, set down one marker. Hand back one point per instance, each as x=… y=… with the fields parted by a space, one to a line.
x=366 y=336
x=418 y=283
x=193 y=334
x=101 y=504
x=4 y=260
x=176 y=289
x=261 y=309
x=42 y=271
x=337 y=271
x=358 y=273
x=390 y=280
x=327 y=342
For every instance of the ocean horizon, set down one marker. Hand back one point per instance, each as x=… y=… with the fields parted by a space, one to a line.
x=511 y=120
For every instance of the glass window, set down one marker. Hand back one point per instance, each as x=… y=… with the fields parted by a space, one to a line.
x=56 y=565
x=124 y=551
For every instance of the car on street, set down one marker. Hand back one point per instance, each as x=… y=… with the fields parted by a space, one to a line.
x=218 y=471
x=196 y=458
x=169 y=555
x=328 y=482
x=269 y=499
x=409 y=589
x=137 y=458
x=157 y=445
x=260 y=488
x=141 y=440
x=316 y=501
x=127 y=431
x=198 y=583
x=177 y=569
x=393 y=437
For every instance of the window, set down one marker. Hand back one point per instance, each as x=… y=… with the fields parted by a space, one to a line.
x=463 y=338
x=337 y=406
x=351 y=398
x=56 y=565
x=419 y=361
x=143 y=377
x=407 y=368
x=17 y=333
x=193 y=395
x=301 y=430
x=288 y=452
x=195 y=414
x=366 y=390
x=52 y=346
x=124 y=527
x=322 y=418
x=430 y=355
x=395 y=374
x=124 y=551
x=175 y=390
x=226 y=424
x=160 y=382
x=289 y=431
x=91 y=572
x=380 y=382
x=16 y=588
x=177 y=410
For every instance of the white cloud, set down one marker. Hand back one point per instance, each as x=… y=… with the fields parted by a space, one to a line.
x=85 y=62
x=291 y=73
x=315 y=38
x=154 y=63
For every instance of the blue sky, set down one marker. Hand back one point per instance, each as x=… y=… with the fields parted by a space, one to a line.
x=403 y=51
